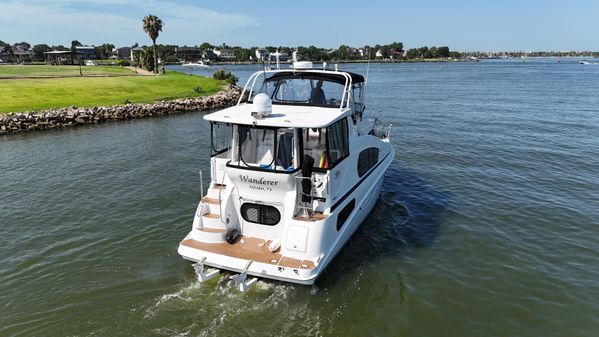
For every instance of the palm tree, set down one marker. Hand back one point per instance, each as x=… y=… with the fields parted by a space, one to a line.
x=153 y=26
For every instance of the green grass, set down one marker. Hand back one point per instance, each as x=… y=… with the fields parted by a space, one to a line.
x=44 y=70
x=18 y=95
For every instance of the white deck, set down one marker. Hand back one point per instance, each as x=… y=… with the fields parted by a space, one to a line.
x=292 y=116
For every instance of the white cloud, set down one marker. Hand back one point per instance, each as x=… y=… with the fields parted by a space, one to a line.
x=115 y=21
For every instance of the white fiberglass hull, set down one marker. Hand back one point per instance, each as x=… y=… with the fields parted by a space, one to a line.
x=365 y=193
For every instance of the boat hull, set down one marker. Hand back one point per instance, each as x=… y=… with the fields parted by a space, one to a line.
x=365 y=194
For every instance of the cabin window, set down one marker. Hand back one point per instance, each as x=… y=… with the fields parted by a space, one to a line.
x=328 y=146
x=367 y=159
x=221 y=134
x=345 y=213
x=315 y=145
x=338 y=146
x=260 y=214
x=267 y=149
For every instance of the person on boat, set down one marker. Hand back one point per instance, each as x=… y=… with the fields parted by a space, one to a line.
x=317 y=94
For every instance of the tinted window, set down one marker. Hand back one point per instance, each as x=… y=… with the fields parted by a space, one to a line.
x=338 y=141
x=260 y=214
x=367 y=159
x=344 y=214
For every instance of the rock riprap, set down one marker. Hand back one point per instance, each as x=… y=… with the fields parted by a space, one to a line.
x=73 y=116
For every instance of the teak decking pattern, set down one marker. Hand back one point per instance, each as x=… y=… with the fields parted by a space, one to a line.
x=248 y=248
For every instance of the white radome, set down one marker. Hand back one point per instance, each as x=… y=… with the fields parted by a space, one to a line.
x=262 y=105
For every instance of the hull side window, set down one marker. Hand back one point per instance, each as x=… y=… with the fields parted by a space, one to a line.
x=344 y=214
x=367 y=159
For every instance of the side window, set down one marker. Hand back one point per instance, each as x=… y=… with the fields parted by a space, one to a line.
x=337 y=134
x=367 y=159
x=221 y=135
x=344 y=214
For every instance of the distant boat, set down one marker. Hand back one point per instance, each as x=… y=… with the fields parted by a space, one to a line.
x=197 y=64
x=585 y=62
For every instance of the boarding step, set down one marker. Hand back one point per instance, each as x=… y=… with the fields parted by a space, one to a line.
x=212 y=220
x=209 y=235
x=216 y=191
x=212 y=201
x=212 y=204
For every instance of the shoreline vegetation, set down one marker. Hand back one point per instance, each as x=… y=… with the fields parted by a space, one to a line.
x=24 y=89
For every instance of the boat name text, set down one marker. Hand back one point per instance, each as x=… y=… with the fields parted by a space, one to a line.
x=261 y=181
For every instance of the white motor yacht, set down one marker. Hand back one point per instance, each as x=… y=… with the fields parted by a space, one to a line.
x=295 y=168
x=197 y=64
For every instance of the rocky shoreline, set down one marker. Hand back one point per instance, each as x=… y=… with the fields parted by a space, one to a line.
x=13 y=123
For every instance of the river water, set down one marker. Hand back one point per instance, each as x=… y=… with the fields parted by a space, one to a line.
x=497 y=165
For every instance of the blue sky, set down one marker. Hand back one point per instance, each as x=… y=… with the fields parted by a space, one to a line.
x=463 y=25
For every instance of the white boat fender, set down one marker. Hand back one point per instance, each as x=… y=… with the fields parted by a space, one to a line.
x=274 y=245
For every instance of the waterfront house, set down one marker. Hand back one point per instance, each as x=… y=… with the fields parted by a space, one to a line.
x=283 y=57
x=88 y=52
x=62 y=57
x=16 y=54
x=123 y=52
x=225 y=54
x=188 y=53
x=262 y=54
x=135 y=51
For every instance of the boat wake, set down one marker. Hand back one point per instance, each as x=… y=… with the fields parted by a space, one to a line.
x=218 y=308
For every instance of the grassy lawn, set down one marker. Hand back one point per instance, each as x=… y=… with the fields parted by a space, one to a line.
x=17 y=95
x=44 y=70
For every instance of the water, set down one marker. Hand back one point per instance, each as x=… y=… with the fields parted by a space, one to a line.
x=497 y=164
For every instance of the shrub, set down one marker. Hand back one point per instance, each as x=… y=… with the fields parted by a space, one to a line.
x=123 y=63
x=226 y=76
x=171 y=59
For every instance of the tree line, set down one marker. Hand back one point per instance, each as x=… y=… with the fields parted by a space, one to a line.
x=168 y=52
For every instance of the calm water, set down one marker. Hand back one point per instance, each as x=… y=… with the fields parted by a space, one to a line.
x=497 y=164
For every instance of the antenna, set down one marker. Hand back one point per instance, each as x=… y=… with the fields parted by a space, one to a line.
x=367 y=69
x=263 y=69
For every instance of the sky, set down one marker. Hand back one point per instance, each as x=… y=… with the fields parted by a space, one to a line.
x=463 y=25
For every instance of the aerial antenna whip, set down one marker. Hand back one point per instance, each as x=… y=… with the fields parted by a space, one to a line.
x=367 y=69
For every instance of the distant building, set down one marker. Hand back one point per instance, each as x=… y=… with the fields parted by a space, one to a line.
x=134 y=51
x=225 y=54
x=123 y=52
x=283 y=57
x=262 y=54
x=188 y=53
x=379 y=54
x=62 y=57
x=209 y=55
x=20 y=54
x=87 y=52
